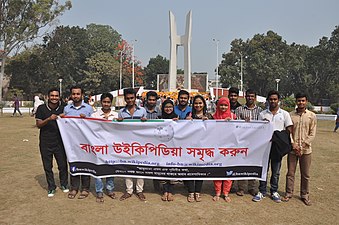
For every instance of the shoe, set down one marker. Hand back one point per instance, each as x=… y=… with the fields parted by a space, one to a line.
x=240 y=193
x=51 y=193
x=125 y=196
x=306 y=201
x=64 y=189
x=141 y=196
x=258 y=197
x=276 y=197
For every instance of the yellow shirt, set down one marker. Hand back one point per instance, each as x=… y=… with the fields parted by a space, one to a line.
x=304 y=129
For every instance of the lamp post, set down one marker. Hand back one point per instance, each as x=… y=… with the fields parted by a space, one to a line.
x=277 y=80
x=120 y=71
x=241 y=75
x=133 y=42
x=60 y=87
x=217 y=69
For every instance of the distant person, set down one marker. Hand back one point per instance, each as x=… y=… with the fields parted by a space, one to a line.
x=78 y=108
x=337 y=121
x=132 y=111
x=248 y=112
x=105 y=112
x=233 y=95
x=50 y=141
x=37 y=102
x=281 y=121
x=183 y=109
x=16 y=105
x=304 y=129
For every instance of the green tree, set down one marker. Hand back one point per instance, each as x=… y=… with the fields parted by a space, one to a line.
x=21 y=21
x=157 y=65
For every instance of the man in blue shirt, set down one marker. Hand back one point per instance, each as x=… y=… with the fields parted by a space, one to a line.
x=182 y=109
x=78 y=108
x=132 y=111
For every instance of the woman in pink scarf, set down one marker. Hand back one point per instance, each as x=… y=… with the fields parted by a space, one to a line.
x=223 y=112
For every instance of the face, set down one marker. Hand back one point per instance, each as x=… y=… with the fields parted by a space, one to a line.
x=76 y=95
x=233 y=97
x=106 y=103
x=130 y=99
x=168 y=109
x=250 y=98
x=151 y=101
x=53 y=97
x=198 y=105
x=273 y=100
x=301 y=103
x=183 y=100
x=223 y=107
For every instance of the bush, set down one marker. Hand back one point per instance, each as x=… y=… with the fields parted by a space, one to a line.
x=334 y=107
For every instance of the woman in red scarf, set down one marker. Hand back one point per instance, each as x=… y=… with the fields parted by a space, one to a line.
x=223 y=112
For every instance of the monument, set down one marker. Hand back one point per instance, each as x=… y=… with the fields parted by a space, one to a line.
x=176 y=41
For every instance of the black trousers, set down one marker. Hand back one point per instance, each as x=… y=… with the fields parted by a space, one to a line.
x=193 y=186
x=84 y=180
x=47 y=152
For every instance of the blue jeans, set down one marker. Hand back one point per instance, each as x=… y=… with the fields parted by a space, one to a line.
x=275 y=169
x=99 y=184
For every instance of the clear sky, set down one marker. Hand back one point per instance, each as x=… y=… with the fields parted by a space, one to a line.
x=147 y=21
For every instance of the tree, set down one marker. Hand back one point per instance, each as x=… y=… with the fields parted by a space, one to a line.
x=157 y=65
x=21 y=21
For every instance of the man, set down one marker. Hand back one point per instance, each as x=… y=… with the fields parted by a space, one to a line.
x=281 y=121
x=233 y=95
x=108 y=114
x=249 y=111
x=152 y=110
x=304 y=129
x=16 y=105
x=78 y=108
x=132 y=111
x=182 y=109
x=51 y=142
x=336 y=122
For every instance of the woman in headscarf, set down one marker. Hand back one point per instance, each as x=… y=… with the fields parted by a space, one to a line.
x=223 y=112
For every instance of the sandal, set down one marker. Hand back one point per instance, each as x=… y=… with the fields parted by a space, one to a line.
x=100 y=197
x=227 y=199
x=84 y=194
x=170 y=197
x=197 y=197
x=190 y=197
x=141 y=196
x=125 y=196
x=111 y=195
x=164 y=197
x=306 y=201
x=285 y=199
x=216 y=198
x=72 y=194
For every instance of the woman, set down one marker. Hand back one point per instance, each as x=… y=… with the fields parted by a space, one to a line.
x=167 y=112
x=223 y=112
x=199 y=111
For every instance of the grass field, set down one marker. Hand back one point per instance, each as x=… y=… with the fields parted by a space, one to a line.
x=23 y=196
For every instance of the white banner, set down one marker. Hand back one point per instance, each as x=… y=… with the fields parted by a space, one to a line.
x=166 y=149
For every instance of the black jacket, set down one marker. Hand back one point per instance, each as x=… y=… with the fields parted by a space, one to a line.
x=281 y=145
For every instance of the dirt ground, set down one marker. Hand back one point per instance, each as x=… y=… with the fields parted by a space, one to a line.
x=23 y=196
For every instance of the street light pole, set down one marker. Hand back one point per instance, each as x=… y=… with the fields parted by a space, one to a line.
x=217 y=69
x=133 y=42
x=277 y=80
x=241 y=75
x=60 y=87
x=120 y=71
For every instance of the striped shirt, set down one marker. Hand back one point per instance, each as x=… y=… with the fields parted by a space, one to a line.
x=243 y=112
x=156 y=114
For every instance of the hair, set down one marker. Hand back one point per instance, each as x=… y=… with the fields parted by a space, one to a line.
x=128 y=91
x=273 y=92
x=183 y=92
x=204 y=110
x=233 y=90
x=251 y=91
x=152 y=93
x=106 y=95
x=300 y=95
x=76 y=87
x=53 y=89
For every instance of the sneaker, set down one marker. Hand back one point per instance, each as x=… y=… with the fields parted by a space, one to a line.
x=276 y=197
x=64 y=189
x=51 y=193
x=258 y=197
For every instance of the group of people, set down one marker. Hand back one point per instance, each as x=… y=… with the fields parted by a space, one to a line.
x=300 y=125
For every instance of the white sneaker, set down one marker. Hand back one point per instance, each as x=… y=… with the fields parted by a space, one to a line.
x=276 y=197
x=258 y=197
